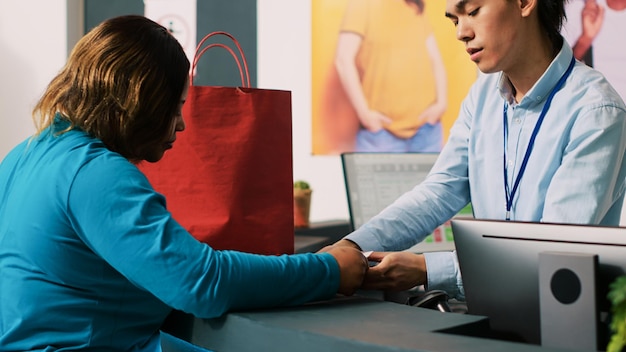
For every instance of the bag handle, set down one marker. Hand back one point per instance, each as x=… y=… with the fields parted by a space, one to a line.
x=232 y=53
x=245 y=80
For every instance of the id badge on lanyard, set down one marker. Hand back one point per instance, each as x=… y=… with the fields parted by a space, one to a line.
x=509 y=194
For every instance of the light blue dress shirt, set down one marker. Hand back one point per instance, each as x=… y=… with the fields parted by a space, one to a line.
x=90 y=258
x=575 y=173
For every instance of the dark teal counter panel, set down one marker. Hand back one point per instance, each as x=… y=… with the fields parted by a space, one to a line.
x=353 y=324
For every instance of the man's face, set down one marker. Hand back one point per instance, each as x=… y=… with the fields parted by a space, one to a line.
x=490 y=31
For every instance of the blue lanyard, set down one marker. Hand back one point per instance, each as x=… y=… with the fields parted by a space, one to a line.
x=509 y=194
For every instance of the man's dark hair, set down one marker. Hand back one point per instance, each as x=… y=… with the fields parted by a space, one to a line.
x=552 y=15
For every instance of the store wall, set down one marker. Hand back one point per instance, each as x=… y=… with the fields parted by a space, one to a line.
x=33 y=47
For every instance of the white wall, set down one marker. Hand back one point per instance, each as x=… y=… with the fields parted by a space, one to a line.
x=33 y=47
x=284 y=62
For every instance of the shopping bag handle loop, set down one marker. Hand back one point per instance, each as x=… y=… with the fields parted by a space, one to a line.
x=232 y=53
x=243 y=71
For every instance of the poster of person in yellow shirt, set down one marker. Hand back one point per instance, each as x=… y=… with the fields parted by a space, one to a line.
x=387 y=76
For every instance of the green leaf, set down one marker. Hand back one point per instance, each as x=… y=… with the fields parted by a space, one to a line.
x=617 y=296
x=301 y=185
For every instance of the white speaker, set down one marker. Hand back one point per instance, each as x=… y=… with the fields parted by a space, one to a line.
x=567 y=300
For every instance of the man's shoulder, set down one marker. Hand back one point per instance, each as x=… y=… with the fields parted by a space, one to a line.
x=593 y=88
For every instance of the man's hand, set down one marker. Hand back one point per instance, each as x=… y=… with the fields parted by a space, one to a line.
x=396 y=271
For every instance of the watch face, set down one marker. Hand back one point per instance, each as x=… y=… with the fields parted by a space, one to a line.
x=178 y=27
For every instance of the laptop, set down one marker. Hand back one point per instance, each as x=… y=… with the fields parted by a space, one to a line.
x=375 y=180
x=514 y=274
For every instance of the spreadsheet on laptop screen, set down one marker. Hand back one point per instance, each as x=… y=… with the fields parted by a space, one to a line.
x=375 y=180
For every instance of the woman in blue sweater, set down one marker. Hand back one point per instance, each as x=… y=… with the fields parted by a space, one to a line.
x=90 y=257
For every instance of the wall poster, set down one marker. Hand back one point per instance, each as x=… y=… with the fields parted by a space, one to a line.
x=593 y=29
x=387 y=75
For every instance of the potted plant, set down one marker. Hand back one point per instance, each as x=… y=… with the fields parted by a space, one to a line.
x=301 y=203
x=617 y=296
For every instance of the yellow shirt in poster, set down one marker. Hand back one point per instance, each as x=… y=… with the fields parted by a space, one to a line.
x=395 y=70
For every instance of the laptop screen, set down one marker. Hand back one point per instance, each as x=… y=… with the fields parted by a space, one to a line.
x=375 y=180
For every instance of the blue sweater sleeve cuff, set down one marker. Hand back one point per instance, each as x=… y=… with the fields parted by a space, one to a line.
x=333 y=271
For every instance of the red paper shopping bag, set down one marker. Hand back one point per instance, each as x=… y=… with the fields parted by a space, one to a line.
x=229 y=178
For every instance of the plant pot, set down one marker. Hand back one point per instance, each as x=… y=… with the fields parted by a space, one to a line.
x=301 y=207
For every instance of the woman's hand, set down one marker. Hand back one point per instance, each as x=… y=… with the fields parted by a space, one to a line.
x=352 y=267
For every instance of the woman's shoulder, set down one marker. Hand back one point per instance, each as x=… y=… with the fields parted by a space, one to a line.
x=75 y=151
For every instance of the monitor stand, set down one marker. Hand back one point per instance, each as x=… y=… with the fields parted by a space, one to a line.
x=568 y=300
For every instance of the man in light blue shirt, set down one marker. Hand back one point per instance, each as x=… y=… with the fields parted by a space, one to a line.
x=539 y=137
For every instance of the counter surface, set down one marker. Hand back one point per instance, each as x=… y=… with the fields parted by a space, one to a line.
x=348 y=324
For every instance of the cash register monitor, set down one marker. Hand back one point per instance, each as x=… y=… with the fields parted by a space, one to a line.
x=499 y=265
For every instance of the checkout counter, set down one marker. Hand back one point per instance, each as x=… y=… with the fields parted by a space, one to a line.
x=346 y=324
x=360 y=323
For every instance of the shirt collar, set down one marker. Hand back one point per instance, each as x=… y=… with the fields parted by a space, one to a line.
x=546 y=82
